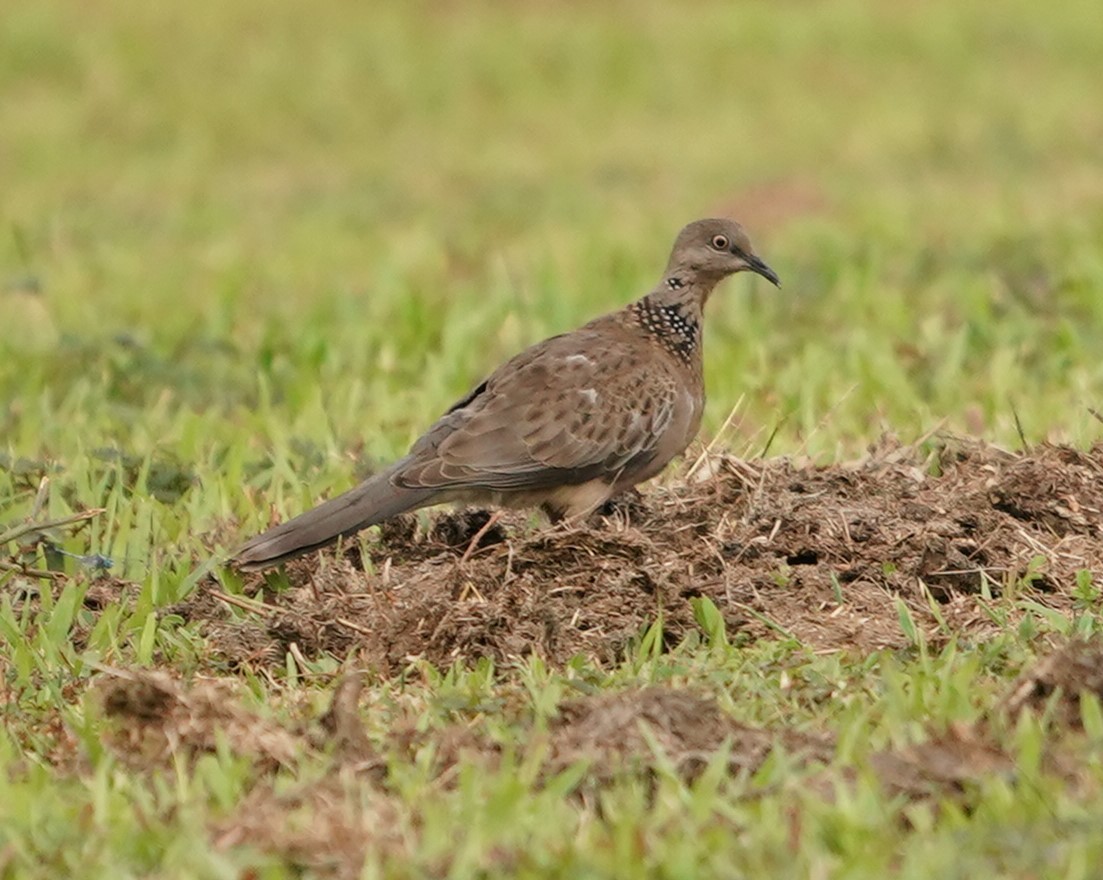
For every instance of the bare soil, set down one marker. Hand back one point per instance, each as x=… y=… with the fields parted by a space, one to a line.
x=783 y=548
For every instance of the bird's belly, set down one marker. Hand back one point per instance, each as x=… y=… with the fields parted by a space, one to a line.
x=579 y=498
x=567 y=500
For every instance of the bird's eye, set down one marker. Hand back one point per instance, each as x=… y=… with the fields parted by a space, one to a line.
x=720 y=242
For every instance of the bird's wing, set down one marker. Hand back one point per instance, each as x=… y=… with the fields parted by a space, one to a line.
x=571 y=409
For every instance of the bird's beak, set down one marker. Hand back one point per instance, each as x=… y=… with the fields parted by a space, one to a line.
x=760 y=268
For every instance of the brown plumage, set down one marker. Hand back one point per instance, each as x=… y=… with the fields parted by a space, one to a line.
x=564 y=425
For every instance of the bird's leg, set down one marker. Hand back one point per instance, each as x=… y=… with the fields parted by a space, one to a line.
x=554 y=514
x=486 y=527
x=623 y=502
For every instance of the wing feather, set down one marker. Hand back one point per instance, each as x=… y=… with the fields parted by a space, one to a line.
x=552 y=415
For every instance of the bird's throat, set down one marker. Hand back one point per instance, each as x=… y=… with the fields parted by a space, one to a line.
x=675 y=325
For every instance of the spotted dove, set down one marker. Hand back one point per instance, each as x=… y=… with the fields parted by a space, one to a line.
x=566 y=424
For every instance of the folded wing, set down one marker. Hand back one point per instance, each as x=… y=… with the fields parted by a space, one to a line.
x=553 y=415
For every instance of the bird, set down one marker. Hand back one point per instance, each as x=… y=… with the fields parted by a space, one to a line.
x=565 y=425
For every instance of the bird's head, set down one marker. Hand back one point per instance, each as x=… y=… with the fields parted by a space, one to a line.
x=710 y=250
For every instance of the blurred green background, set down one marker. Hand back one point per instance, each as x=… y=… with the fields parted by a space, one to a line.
x=273 y=241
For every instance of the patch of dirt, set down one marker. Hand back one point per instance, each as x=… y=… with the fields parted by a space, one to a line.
x=155 y=718
x=639 y=729
x=817 y=554
x=326 y=827
x=1056 y=683
x=949 y=762
x=946 y=763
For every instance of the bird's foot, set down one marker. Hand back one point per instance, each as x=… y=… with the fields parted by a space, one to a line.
x=627 y=506
x=479 y=535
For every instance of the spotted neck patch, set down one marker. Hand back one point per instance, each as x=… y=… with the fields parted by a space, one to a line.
x=678 y=331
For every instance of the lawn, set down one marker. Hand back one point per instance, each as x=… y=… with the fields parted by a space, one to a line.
x=249 y=251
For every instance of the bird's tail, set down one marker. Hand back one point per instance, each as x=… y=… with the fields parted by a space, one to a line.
x=373 y=501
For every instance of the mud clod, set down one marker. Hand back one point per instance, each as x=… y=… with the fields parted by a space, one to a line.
x=1058 y=681
x=156 y=718
x=947 y=763
x=618 y=732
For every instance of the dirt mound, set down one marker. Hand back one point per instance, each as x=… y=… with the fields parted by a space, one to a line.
x=154 y=719
x=323 y=827
x=823 y=555
x=1057 y=682
x=617 y=732
x=946 y=763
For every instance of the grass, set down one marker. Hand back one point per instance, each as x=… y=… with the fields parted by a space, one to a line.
x=249 y=249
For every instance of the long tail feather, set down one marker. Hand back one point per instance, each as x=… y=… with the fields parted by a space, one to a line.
x=373 y=501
